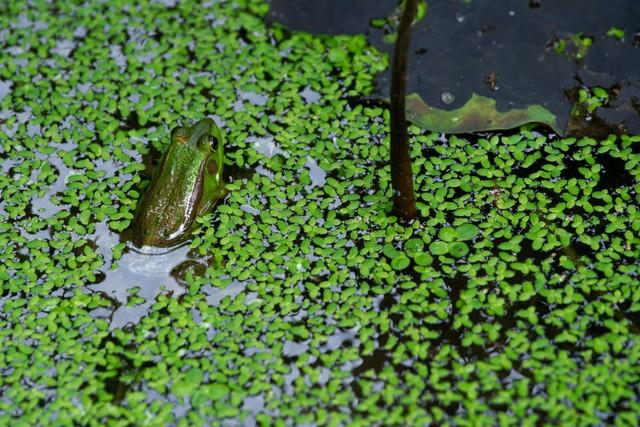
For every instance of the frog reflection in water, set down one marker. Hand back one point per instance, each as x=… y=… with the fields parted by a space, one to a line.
x=186 y=184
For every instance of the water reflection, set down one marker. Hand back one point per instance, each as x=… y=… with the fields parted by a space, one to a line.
x=134 y=282
x=149 y=271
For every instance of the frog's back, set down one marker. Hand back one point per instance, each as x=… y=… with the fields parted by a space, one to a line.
x=167 y=211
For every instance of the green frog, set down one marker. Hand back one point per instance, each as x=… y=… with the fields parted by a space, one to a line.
x=187 y=183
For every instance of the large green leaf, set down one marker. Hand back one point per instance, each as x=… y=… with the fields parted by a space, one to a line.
x=479 y=113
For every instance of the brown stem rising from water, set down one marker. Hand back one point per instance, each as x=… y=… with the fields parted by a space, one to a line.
x=404 y=201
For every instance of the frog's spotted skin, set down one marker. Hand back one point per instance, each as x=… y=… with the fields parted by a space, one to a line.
x=187 y=183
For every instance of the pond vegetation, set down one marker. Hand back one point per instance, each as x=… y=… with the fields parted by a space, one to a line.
x=512 y=298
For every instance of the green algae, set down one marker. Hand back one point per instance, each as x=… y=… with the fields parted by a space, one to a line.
x=343 y=316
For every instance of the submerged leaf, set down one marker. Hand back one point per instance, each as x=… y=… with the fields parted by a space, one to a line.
x=478 y=114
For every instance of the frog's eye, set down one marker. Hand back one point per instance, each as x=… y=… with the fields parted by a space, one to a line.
x=213 y=143
x=208 y=142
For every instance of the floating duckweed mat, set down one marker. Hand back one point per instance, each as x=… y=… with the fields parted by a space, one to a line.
x=515 y=297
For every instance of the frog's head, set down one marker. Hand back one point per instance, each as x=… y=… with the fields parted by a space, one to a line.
x=206 y=137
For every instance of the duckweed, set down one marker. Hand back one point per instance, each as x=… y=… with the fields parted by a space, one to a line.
x=514 y=297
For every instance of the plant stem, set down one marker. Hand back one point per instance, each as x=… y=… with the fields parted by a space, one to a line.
x=404 y=201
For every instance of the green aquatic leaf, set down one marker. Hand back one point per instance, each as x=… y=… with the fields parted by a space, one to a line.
x=423 y=259
x=439 y=247
x=400 y=262
x=448 y=234
x=458 y=249
x=217 y=391
x=188 y=382
x=413 y=246
x=478 y=114
x=466 y=231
